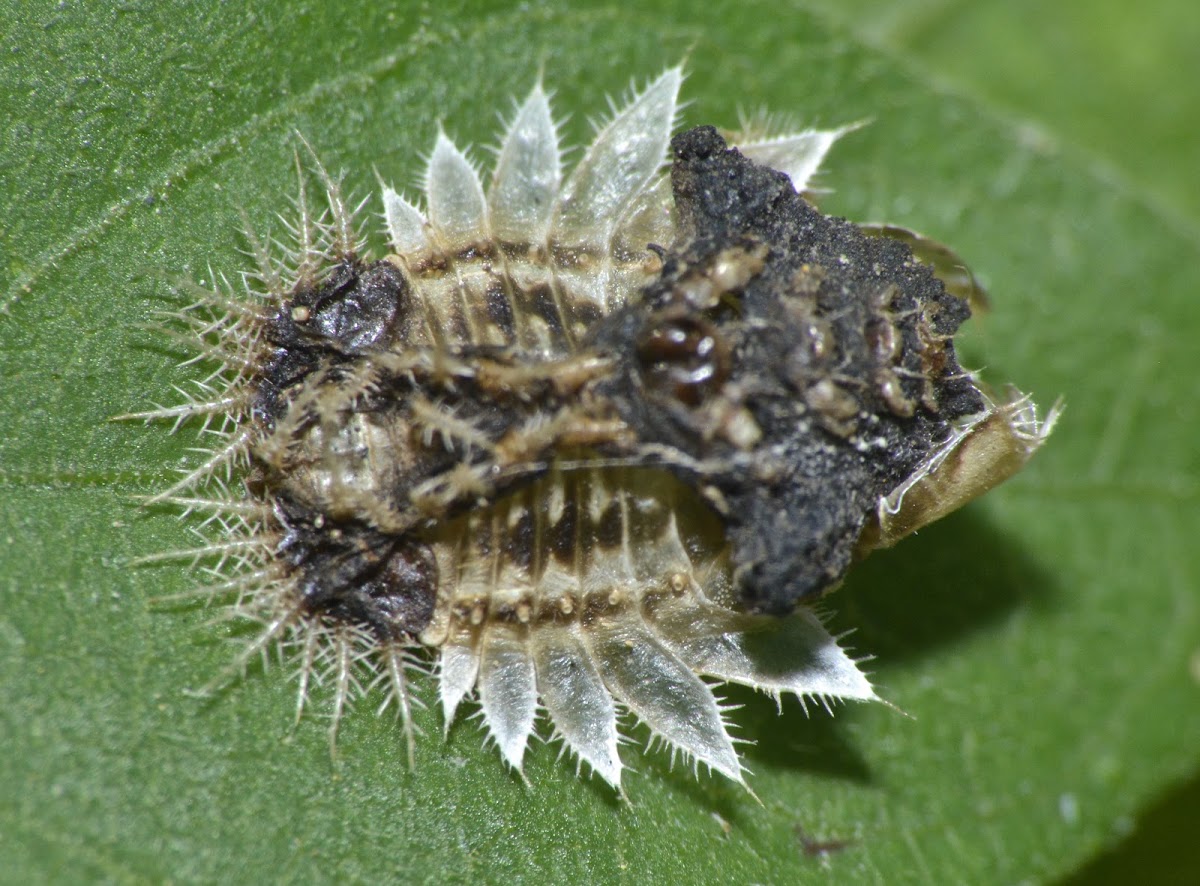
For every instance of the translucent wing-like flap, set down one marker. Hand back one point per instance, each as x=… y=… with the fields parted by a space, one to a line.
x=620 y=162
x=799 y=155
x=405 y=224
x=663 y=692
x=580 y=707
x=507 y=690
x=457 y=209
x=979 y=456
x=648 y=219
x=947 y=265
x=795 y=655
x=528 y=173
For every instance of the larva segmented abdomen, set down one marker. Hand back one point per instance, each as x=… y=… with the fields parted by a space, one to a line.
x=535 y=261
x=539 y=589
x=535 y=590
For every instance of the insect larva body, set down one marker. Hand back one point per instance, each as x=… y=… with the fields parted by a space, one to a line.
x=583 y=441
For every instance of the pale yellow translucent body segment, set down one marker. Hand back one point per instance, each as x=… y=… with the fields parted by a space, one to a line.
x=570 y=622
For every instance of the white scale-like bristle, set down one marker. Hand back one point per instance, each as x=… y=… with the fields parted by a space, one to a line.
x=405 y=224
x=622 y=160
x=799 y=155
x=457 y=209
x=528 y=174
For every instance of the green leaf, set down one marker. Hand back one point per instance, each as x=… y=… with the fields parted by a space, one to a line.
x=1045 y=640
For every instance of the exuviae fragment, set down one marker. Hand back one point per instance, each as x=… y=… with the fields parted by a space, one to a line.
x=579 y=445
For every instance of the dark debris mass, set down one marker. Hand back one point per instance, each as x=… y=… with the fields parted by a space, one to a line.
x=839 y=348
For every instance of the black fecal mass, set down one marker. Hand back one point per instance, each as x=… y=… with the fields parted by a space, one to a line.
x=351 y=572
x=353 y=308
x=798 y=368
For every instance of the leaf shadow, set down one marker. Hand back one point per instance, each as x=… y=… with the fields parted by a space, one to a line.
x=814 y=742
x=951 y=581
x=654 y=768
x=938 y=587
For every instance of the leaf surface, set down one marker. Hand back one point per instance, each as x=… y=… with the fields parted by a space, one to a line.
x=1044 y=640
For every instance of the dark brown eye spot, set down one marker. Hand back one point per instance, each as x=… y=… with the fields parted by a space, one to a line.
x=683 y=356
